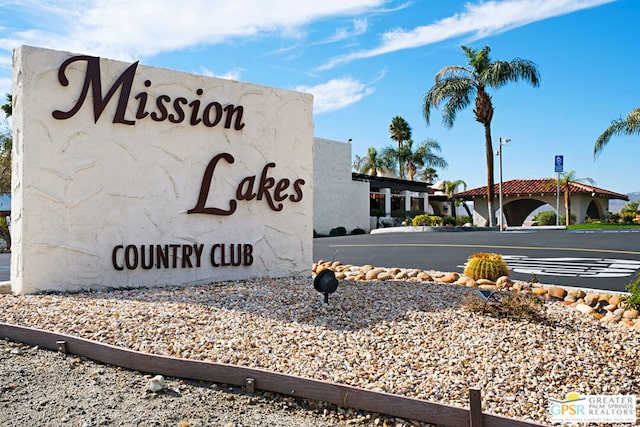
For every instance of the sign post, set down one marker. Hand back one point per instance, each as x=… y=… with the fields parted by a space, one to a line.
x=559 y=166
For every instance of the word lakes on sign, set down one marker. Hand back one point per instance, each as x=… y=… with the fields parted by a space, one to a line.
x=126 y=175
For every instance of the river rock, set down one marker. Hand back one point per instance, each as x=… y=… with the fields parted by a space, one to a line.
x=385 y=275
x=610 y=318
x=614 y=300
x=373 y=273
x=584 y=308
x=578 y=293
x=424 y=276
x=449 y=278
x=539 y=291
x=504 y=282
x=592 y=299
x=557 y=292
x=156 y=384
x=630 y=314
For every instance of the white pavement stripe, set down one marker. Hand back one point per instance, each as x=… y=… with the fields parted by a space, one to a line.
x=571 y=266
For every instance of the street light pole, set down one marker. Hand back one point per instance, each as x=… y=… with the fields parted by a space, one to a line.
x=502 y=141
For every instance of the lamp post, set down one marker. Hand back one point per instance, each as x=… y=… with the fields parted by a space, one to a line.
x=502 y=141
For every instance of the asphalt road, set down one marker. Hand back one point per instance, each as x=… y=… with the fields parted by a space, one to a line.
x=597 y=260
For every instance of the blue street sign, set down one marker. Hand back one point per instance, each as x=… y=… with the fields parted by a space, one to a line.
x=559 y=163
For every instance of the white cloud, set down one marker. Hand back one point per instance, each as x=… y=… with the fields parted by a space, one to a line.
x=336 y=94
x=127 y=30
x=479 y=20
x=342 y=33
x=229 y=75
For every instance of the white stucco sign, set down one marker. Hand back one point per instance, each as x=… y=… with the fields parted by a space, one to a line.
x=126 y=175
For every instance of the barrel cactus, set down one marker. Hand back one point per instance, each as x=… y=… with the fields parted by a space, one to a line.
x=486 y=266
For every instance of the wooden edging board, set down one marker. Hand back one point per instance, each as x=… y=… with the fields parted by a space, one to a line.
x=338 y=394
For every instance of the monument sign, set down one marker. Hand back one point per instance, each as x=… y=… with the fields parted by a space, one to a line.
x=126 y=175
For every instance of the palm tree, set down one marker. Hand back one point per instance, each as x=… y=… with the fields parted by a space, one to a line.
x=568 y=178
x=400 y=132
x=423 y=156
x=372 y=163
x=458 y=86
x=428 y=174
x=619 y=127
x=449 y=188
x=7 y=108
x=413 y=159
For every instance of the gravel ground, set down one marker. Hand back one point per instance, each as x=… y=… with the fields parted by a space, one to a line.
x=405 y=338
x=42 y=388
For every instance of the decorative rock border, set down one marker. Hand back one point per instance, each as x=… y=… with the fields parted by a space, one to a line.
x=603 y=306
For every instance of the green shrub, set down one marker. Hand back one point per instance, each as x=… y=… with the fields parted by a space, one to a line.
x=358 y=230
x=462 y=220
x=633 y=300
x=338 y=231
x=377 y=213
x=426 y=220
x=627 y=217
x=448 y=220
x=545 y=218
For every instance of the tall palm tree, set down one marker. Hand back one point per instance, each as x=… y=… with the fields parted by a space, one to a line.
x=400 y=132
x=458 y=86
x=372 y=163
x=566 y=180
x=619 y=127
x=423 y=156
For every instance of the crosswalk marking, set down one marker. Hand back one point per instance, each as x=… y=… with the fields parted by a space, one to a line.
x=572 y=267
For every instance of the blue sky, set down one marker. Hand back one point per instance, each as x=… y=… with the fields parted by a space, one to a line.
x=366 y=61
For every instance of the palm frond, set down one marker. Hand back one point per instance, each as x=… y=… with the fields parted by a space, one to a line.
x=619 y=127
x=457 y=92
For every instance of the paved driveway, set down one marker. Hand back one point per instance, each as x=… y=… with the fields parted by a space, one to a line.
x=600 y=260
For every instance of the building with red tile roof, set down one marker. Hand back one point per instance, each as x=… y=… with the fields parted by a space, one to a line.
x=522 y=196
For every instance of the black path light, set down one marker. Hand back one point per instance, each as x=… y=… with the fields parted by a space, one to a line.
x=326 y=283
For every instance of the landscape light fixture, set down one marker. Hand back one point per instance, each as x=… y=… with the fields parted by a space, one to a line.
x=326 y=283
x=502 y=141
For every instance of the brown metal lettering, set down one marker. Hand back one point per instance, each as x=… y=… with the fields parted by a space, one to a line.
x=206 y=185
x=180 y=106
x=92 y=78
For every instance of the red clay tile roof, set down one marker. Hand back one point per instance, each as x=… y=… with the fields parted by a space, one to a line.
x=521 y=187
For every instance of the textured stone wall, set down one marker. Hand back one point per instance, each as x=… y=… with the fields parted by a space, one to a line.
x=146 y=177
x=337 y=200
